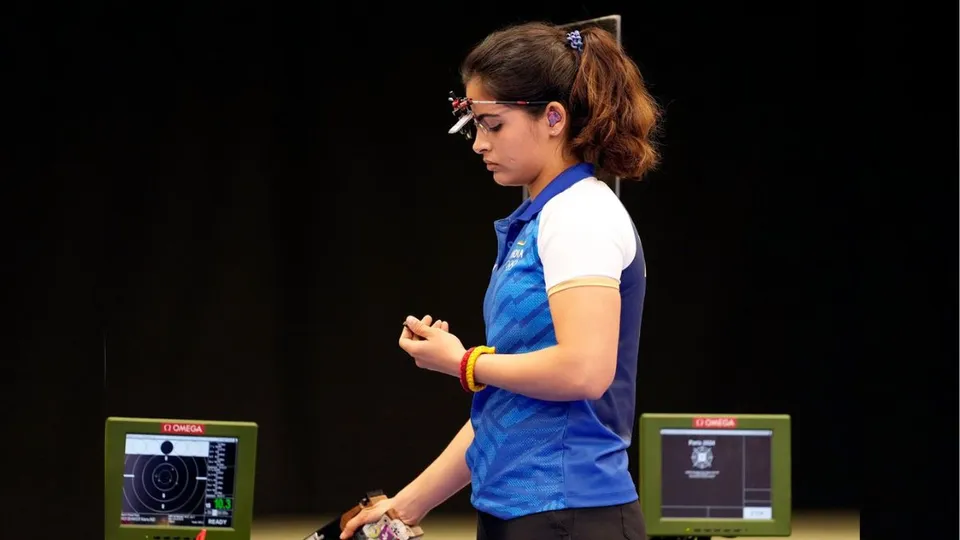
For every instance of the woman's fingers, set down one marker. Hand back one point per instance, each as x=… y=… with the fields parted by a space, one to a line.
x=367 y=515
x=427 y=321
x=406 y=333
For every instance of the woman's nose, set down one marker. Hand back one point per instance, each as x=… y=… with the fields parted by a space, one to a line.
x=480 y=143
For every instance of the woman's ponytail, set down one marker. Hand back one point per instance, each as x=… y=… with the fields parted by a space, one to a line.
x=618 y=118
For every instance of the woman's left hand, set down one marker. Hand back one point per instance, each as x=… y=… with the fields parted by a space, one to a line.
x=438 y=350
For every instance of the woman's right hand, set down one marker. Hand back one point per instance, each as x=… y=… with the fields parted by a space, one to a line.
x=427 y=320
x=374 y=512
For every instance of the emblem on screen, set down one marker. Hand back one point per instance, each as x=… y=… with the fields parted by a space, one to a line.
x=702 y=457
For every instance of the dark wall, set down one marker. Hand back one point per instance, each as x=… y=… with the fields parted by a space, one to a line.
x=242 y=205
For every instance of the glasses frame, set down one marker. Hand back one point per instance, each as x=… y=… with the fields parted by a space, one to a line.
x=462 y=110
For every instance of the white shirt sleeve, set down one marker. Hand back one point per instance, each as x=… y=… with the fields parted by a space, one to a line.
x=585 y=236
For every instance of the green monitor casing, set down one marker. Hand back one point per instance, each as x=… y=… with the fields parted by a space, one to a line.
x=715 y=475
x=167 y=479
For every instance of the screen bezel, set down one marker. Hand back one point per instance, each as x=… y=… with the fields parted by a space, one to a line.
x=116 y=432
x=650 y=478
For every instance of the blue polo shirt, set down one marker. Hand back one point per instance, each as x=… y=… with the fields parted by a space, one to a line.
x=530 y=455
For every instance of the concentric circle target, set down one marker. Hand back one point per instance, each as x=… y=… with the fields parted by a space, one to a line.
x=164 y=484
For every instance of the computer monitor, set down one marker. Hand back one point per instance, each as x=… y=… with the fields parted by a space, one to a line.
x=171 y=479
x=715 y=475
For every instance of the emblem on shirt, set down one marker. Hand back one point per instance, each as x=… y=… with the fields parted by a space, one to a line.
x=515 y=256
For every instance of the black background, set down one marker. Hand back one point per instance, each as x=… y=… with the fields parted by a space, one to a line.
x=221 y=211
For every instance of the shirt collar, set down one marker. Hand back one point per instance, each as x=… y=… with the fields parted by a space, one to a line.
x=530 y=208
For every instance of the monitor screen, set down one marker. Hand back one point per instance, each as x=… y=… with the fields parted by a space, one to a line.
x=716 y=473
x=176 y=480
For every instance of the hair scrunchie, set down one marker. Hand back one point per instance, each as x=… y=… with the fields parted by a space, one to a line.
x=575 y=40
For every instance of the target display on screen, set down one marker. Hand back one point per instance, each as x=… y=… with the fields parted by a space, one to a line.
x=186 y=481
x=716 y=473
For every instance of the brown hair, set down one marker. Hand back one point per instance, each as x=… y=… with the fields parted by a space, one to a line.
x=612 y=117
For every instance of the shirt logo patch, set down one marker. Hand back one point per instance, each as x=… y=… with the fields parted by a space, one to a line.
x=515 y=257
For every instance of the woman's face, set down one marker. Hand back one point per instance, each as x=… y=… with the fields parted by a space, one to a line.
x=514 y=146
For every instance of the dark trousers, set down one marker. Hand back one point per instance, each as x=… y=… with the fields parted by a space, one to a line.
x=624 y=522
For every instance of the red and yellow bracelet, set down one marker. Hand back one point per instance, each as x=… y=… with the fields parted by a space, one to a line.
x=469 y=366
x=463 y=369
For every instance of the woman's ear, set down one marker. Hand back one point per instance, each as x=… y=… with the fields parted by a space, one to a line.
x=556 y=118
